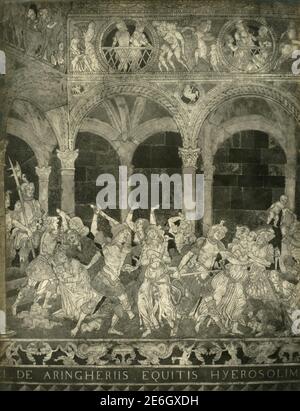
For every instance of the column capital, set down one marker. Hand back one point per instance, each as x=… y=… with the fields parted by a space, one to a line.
x=43 y=172
x=67 y=159
x=3 y=145
x=189 y=156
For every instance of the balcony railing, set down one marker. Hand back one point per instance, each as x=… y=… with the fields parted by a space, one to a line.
x=127 y=59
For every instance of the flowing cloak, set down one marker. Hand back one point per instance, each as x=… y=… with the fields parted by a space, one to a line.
x=146 y=301
x=155 y=295
x=77 y=294
x=234 y=300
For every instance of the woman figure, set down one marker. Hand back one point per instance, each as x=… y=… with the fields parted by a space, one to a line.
x=154 y=295
x=245 y=42
x=233 y=302
x=226 y=301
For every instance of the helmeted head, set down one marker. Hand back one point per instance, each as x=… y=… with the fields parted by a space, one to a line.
x=28 y=190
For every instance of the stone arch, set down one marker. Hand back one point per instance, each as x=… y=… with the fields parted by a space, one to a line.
x=100 y=128
x=19 y=129
x=27 y=121
x=97 y=95
x=221 y=95
x=251 y=122
x=154 y=126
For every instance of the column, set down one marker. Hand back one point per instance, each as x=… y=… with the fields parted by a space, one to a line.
x=67 y=159
x=43 y=174
x=209 y=169
x=290 y=182
x=189 y=158
x=3 y=328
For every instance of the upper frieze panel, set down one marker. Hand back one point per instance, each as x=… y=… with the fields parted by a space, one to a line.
x=76 y=38
x=191 y=45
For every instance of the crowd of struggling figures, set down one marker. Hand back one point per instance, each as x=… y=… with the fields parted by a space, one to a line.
x=245 y=282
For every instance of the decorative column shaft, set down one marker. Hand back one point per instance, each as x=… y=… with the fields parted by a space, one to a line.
x=209 y=169
x=67 y=159
x=290 y=182
x=189 y=156
x=3 y=144
x=43 y=174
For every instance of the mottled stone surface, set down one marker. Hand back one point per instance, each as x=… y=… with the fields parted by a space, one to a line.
x=249 y=178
